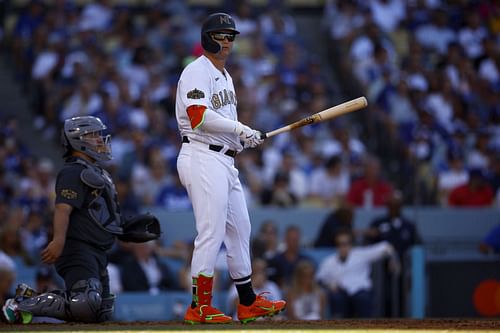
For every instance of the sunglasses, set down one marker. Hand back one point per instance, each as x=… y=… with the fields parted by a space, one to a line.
x=220 y=36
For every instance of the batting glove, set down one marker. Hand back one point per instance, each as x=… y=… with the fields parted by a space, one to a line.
x=250 y=137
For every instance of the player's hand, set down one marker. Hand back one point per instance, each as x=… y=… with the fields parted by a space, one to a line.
x=52 y=252
x=250 y=137
x=254 y=140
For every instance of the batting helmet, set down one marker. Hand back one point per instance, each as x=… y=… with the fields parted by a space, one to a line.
x=77 y=136
x=216 y=22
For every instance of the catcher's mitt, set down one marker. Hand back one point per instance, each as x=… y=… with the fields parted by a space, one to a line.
x=140 y=228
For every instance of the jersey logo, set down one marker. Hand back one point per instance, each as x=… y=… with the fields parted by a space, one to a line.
x=195 y=94
x=69 y=194
x=223 y=98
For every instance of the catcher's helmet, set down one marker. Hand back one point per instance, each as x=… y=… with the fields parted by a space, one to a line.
x=216 y=22
x=84 y=134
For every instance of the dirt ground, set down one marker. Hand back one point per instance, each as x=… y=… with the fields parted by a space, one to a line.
x=439 y=324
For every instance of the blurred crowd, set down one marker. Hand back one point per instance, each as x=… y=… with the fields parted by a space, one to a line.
x=429 y=68
x=431 y=71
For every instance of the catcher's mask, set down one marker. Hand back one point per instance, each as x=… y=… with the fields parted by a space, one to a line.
x=85 y=134
x=218 y=22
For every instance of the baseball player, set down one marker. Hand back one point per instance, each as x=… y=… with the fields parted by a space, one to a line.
x=212 y=137
x=86 y=222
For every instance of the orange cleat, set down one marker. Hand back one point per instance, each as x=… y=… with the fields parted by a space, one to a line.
x=205 y=314
x=262 y=307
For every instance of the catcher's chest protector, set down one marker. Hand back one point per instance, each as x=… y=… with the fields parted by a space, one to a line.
x=103 y=208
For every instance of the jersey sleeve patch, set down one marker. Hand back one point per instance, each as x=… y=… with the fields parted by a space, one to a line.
x=195 y=94
x=196 y=114
x=69 y=194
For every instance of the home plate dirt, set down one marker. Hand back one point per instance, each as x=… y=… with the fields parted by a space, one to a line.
x=345 y=325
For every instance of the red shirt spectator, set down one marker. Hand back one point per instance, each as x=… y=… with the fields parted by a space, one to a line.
x=476 y=193
x=370 y=190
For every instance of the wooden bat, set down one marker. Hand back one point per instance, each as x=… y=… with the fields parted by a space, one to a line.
x=333 y=112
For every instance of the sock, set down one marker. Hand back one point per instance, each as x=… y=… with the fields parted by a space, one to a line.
x=195 y=296
x=245 y=290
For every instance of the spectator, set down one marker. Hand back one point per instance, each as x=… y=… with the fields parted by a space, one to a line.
x=339 y=219
x=306 y=300
x=455 y=175
x=143 y=271
x=402 y=234
x=34 y=234
x=282 y=265
x=173 y=197
x=394 y=228
x=330 y=184
x=491 y=242
x=370 y=190
x=45 y=279
x=265 y=244
x=279 y=194
x=475 y=193
x=346 y=276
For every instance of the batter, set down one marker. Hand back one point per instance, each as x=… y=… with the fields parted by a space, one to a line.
x=212 y=136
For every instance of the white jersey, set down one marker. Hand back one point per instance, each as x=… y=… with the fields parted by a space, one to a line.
x=201 y=83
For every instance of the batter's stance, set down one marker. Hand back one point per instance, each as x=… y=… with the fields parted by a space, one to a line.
x=212 y=136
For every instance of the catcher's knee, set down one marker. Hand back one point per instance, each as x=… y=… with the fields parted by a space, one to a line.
x=85 y=300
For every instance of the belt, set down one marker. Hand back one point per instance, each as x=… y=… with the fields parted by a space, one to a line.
x=229 y=152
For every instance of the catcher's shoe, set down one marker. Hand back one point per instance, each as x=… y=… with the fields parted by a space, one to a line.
x=205 y=314
x=261 y=307
x=12 y=315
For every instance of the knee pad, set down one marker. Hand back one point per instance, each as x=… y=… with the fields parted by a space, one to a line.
x=85 y=300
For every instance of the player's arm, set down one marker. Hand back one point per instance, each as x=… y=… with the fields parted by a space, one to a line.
x=54 y=249
x=195 y=95
x=210 y=121
x=213 y=122
x=70 y=193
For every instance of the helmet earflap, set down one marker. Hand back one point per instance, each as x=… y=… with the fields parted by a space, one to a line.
x=209 y=44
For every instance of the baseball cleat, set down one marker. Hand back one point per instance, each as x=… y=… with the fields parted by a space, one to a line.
x=261 y=307
x=12 y=315
x=205 y=314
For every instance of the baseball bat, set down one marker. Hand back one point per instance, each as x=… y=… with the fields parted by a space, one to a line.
x=333 y=112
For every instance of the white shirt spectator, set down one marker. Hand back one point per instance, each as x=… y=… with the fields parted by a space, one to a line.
x=448 y=180
x=441 y=109
x=45 y=62
x=471 y=40
x=387 y=14
x=329 y=186
x=115 y=283
x=435 y=37
x=352 y=275
x=489 y=71
x=96 y=16
x=6 y=262
x=77 y=105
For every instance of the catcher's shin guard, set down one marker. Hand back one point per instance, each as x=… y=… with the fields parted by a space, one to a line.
x=202 y=311
x=45 y=305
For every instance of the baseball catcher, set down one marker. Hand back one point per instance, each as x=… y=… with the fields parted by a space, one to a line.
x=86 y=222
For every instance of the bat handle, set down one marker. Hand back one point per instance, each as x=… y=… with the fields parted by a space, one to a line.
x=263 y=135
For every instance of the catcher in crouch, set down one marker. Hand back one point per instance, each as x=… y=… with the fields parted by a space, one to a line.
x=86 y=222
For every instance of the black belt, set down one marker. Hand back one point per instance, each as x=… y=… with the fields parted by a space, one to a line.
x=216 y=148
